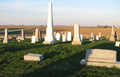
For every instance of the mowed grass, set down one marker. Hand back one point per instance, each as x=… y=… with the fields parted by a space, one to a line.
x=60 y=60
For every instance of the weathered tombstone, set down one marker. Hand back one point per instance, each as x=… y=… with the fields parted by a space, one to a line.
x=33 y=32
x=116 y=35
x=33 y=57
x=112 y=35
x=76 y=40
x=58 y=36
x=100 y=57
x=37 y=34
x=33 y=39
x=55 y=34
x=40 y=37
x=81 y=38
x=97 y=38
x=94 y=38
x=61 y=34
x=117 y=43
x=92 y=35
x=65 y=35
x=22 y=34
x=64 y=39
x=6 y=40
x=69 y=36
x=50 y=38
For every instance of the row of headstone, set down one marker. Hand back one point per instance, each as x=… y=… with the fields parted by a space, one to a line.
x=36 y=37
x=114 y=35
x=66 y=36
x=6 y=39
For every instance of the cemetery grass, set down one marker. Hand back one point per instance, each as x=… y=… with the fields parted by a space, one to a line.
x=60 y=60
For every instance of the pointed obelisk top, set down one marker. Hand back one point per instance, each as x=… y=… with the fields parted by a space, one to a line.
x=50 y=16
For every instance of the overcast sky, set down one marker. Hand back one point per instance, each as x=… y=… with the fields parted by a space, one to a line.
x=65 y=12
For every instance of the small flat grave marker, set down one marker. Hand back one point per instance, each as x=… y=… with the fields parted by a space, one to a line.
x=33 y=57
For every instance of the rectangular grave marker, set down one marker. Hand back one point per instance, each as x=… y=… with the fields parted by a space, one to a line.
x=33 y=39
x=33 y=57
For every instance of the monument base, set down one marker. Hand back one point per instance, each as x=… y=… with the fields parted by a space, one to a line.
x=84 y=62
x=112 y=38
x=51 y=42
x=33 y=57
x=76 y=43
x=22 y=38
x=37 y=39
x=6 y=41
x=90 y=39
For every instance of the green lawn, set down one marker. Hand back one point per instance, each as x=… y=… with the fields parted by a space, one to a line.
x=60 y=60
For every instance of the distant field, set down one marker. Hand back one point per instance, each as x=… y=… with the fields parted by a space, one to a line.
x=83 y=30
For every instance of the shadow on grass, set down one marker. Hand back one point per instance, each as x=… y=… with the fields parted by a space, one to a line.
x=70 y=66
x=59 y=68
x=14 y=46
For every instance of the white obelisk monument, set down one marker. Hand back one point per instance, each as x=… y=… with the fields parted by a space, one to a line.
x=50 y=38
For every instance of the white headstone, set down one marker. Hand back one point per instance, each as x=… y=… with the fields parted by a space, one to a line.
x=33 y=39
x=117 y=43
x=81 y=38
x=64 y=39
x=92 y=35
x=97 y=38
x=58 y=36
x=69 y=36
x=50 y=38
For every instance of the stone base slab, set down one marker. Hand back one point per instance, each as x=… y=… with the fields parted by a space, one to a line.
x=33 y=57
x=47 y=42
x=5 y=41
x=90 y=39
x=76 y=43
x=22 y=38
x=84 y=62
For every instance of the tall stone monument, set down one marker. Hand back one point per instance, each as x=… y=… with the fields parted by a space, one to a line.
x=112 y=38
x=50 y=38
x=6 y=40
x=76 y=40
x=37 y=34
x=22 y=34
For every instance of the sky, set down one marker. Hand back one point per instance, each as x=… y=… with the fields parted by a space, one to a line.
x=65 y=12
